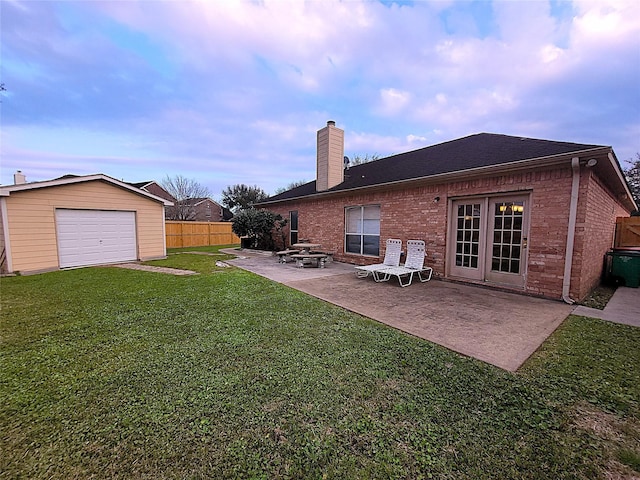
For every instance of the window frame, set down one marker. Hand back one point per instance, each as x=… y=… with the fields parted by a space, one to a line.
x=362 y=231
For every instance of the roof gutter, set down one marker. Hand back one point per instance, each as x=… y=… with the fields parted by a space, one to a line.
x=448 y=176
x=571 y=231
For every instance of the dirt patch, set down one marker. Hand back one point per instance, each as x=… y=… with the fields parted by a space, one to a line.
x=211 y=254
x=149 y=268
x=620 y=436
x=599 y=297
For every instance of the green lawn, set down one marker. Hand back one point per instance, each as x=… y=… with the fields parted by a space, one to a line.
x=113 y=373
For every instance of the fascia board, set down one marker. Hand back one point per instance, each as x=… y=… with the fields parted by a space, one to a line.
x=616 y=167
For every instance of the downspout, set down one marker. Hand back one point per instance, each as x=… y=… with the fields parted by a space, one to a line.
x=571 y=231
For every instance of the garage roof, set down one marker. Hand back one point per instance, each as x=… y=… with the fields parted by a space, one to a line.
x=7 y=190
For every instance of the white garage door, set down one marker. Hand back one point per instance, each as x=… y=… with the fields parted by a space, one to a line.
x=92 y=237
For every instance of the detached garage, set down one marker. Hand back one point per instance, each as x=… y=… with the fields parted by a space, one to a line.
x=77 y=221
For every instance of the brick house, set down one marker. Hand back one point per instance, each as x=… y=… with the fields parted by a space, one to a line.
x=154 y=188
x=196 y=209
x=528 y=215
x=207 y=210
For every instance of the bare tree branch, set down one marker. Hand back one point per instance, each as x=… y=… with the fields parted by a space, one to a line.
x=185 y=191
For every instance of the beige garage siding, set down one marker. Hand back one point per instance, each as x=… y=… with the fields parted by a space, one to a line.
x=32 y=229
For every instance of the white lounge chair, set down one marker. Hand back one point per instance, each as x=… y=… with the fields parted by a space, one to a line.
x=413 y=265
x=391 y=259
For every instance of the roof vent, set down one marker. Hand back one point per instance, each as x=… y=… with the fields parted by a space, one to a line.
x=19 y=178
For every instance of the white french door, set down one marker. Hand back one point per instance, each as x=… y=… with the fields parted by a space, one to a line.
x=467 y=239
x=488 y=239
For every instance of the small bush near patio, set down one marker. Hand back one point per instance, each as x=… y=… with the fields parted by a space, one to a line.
x=113 y=373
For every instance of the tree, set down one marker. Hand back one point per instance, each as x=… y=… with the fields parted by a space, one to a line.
x=291 y=186
x=633 y=178
x=183 y=190
x=359 y=160
x=241 y=197
x=259 y=225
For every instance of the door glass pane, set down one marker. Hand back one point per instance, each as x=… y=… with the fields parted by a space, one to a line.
x=507 y=237
x=468 y=235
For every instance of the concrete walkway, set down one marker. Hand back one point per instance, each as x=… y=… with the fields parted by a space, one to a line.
x=624 y=307
x=500 y=328
x=150 y=268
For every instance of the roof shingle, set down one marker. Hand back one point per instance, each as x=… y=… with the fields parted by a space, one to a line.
x=474 y=151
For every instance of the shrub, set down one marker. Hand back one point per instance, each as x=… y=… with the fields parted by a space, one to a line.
x=259 y=225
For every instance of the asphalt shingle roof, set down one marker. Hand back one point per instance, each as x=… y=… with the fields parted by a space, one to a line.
x=474 y=151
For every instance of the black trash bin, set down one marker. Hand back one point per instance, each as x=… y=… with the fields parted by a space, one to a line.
x=623 y=267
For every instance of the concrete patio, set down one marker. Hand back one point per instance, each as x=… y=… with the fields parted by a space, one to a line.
x=500 y=328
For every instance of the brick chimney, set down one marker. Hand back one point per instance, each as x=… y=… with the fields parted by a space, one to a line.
x=19 y=178
x=330 y=159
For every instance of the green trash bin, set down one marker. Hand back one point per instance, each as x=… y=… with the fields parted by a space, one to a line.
x=624 y=267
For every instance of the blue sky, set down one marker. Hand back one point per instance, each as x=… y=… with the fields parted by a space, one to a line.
x=234 y=92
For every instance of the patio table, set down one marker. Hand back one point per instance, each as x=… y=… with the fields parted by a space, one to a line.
x=305 y=256
x=306 y=247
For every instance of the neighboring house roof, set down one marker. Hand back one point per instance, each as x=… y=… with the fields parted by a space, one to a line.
x=154 y=188
x=141 y=184
x=7 y=190
x=470 y=155
x=197 y=201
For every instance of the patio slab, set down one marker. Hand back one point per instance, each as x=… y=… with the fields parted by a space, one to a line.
x=502 y=329
x=499 y=328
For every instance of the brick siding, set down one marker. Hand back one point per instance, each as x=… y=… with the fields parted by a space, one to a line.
x=412 y=213
x=595 y=233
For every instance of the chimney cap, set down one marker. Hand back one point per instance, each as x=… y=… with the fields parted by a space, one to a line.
x=331 y=123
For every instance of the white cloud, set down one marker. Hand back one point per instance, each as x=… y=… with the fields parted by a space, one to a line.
x=393 y=101
x=230 y=89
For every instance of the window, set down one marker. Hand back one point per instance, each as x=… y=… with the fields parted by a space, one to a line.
x=362 y=230
x=293 y=227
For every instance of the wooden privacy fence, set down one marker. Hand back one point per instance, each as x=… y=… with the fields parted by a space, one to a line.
x=627 y=232
x=199 y=234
